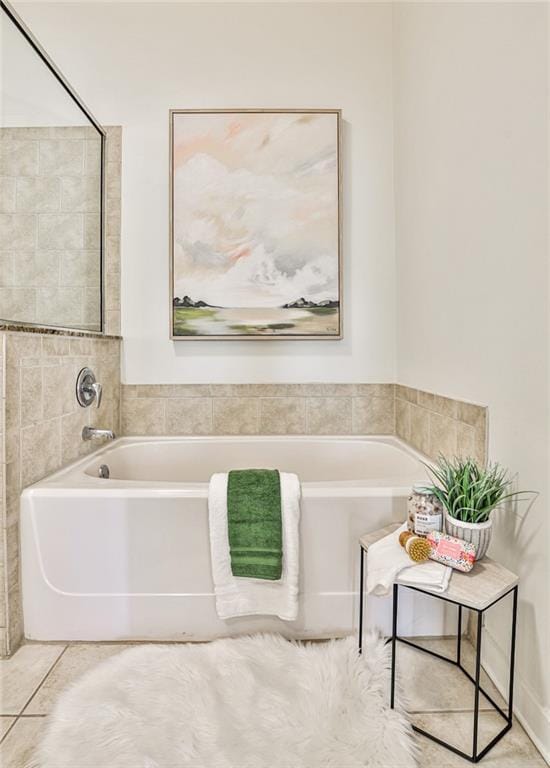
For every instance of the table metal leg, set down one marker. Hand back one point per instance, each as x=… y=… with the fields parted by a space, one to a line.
x=512 y=656
x=361 y=598
x=506 y=713
x=509 y=716
x=459 y=636
x=394 y=643
x=477 y=683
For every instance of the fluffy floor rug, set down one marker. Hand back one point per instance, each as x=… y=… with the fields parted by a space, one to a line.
x=250 y=702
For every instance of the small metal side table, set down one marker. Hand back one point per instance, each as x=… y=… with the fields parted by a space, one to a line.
x=479 y=590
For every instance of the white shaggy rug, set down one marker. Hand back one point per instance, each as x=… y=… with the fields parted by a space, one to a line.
x=249 y=702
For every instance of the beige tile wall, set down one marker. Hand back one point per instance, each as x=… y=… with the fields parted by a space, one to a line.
x=252 y=409
x=50 y=226
x=40 y=419
x=113 y=169
x=434 y=424
x=431 y=423
x=43 y=426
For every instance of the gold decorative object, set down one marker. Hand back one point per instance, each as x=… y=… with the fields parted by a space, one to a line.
x=417 y=548
x=403 y=536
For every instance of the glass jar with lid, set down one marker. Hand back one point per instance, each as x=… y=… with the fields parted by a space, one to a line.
x=424 y=511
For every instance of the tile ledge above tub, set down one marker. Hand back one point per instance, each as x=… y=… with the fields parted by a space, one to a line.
x=44 y=330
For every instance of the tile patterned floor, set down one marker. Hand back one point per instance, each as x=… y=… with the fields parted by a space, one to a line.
x=33 y=678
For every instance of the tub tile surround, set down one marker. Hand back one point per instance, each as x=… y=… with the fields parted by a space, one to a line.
x=40 y=419
x=434 y=424
x=43 y=424
x=431 y=423
x=258 y=409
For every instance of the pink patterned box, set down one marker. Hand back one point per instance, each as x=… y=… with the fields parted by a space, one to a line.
x=450 y=551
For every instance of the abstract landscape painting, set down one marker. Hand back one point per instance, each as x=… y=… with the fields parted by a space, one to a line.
x=255 y=224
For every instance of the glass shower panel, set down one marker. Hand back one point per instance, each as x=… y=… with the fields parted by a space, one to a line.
x=51 y=161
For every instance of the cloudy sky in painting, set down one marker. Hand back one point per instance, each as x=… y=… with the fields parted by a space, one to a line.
x=255 y=208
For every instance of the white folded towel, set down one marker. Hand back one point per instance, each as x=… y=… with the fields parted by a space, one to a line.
x=238 y=596
x=387 y=562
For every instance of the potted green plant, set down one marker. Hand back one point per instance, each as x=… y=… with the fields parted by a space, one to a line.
x=469 y=493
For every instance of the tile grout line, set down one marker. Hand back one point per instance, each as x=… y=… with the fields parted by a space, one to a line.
x=41 y=683
x=10 y=729
x=38 y=687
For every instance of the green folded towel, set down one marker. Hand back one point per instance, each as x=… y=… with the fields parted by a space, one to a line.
x=254 y=523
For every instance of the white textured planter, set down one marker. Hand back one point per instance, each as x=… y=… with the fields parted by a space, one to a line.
x=479 y=534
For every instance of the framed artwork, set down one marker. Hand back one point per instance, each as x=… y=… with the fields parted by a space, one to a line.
x=255 y=224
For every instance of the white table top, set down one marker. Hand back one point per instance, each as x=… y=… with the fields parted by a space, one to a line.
x=486 y=582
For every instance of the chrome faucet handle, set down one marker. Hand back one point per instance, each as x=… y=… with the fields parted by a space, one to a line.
x=98 y=389
x=88 y=389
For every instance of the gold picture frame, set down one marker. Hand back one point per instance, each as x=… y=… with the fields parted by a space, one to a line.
x=192 y=318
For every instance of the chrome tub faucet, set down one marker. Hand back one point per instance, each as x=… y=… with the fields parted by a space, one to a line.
x=93 y=433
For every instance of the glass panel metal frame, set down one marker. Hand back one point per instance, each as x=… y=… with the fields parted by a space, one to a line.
x=47 y=61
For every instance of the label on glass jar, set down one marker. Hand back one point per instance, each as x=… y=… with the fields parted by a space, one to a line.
x=425 y=523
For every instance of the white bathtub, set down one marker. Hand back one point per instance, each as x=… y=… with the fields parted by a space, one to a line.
x=128 y=557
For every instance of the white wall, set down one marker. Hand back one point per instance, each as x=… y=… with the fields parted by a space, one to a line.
x=131 y=63
x=471 y=180
x=29 y=94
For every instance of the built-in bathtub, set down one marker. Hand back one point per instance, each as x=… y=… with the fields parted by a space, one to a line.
x=128 y=557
